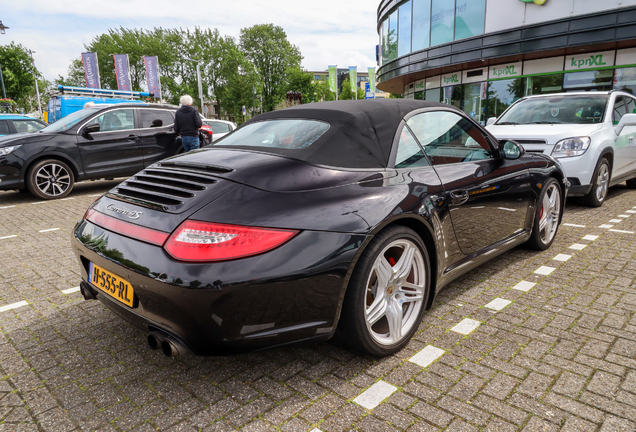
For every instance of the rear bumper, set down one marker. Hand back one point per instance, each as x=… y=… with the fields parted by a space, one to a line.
x=290 y=294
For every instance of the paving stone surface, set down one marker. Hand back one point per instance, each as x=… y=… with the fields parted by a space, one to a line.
x=560 y=356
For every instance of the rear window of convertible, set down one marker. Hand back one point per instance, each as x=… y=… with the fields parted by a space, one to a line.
x=276 y=134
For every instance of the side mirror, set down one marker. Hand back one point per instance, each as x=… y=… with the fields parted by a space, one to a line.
x=511 y=150
x=491 y=120
x=627 y=120
x=91 y=128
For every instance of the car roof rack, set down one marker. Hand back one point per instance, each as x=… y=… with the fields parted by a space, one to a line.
x=83 y=91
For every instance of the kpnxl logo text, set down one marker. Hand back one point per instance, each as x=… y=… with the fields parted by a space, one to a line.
x=508 y=70
x=451 y=79
x=596 y=60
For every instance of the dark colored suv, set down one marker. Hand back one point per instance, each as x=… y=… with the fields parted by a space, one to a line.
x=103 y=141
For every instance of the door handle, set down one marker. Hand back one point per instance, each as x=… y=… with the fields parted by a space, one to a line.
x=459 y=197
x=131 y=137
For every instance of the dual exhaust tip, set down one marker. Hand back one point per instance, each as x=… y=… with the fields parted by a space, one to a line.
x=168 y=345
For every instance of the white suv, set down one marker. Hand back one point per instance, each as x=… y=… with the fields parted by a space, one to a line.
x=590 y=133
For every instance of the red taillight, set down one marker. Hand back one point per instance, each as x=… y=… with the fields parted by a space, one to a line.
x=203 y=241
x=127 y=229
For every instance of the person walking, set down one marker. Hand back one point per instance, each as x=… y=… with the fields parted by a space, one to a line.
x=187 y=122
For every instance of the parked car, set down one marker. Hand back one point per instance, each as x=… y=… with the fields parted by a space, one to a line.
x=205 y=134
x=220 y=128
x=103 y=141
x=591 y=134
x=345 y=215
x=16 y=123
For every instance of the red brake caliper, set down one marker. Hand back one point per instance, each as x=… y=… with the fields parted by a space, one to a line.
x=392 y=261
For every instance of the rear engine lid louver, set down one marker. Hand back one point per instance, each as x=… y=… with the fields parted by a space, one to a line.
x=169 y=186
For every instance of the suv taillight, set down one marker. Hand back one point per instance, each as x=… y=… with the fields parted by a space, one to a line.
x=198 y=241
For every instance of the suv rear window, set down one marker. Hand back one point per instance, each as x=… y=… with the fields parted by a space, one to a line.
x=276 y=134
x=575 y=109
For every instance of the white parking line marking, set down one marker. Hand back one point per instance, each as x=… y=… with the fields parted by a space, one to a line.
x=578 y=246
x=498 y=304
x=95 y=195
x=71 y=290
x=466 y=326
x=375 y=394
x=590 y=237
x=7 y=237
x=615 y=220
x=506 y=209
x=13 y=306
x=605 y=226
x=544 y=270
x=315 y=430
x=624 y=216
x=426 y=356
x=524 y=286
x=50 y=229
x=41 y=202
x=67 y=199
x=631 y=211
x=6 y=207
x=562 y=257
x=574 y=225
x=622 y=232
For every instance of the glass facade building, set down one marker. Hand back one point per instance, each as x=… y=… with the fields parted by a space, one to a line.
x=483 y=55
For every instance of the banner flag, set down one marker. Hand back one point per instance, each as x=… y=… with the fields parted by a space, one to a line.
x=152 y=75
x=333 y=78
x=353 y=79
x=371 y=72
x=91 y=70
x=122 y=72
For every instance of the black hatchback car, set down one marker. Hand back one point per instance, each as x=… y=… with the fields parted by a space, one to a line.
x=103 y=141
x=335 y=216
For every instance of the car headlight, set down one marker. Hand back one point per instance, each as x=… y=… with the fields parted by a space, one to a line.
x=7 y=150
x=571 y=147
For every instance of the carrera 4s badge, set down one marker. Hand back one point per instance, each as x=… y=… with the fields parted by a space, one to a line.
x=130 y=213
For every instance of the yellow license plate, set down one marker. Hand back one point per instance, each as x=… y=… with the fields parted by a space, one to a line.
x=111 y=284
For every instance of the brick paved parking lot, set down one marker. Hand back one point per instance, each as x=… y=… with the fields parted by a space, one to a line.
x=533 y=341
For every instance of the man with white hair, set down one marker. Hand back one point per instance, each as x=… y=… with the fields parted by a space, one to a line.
x=187 y=122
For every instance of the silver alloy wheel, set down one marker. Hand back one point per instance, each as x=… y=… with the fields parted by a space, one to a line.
x=52 y=179
x=549 y=213
x=395 y=292
x=602 y=182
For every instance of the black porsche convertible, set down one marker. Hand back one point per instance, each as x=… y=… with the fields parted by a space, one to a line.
x=336 y=217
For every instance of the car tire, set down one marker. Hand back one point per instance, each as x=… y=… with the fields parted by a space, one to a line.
x=600 y=185
x=50 y=179
x=631 y=183
x=381 y=312
x=547 y=216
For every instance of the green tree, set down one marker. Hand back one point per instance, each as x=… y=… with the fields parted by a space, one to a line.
x=299 y=80
x=323 y=92
x=19 y=74
x=267 y=48
x=347 y=94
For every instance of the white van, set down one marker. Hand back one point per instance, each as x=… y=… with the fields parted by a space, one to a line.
x=592 y=134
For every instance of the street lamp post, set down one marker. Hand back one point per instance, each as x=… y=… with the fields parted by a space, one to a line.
x=198 y=62
x=37 y=90
x=253 y=100
x=4 y=93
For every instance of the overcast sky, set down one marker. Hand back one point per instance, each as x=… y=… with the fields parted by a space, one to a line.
x=326 y=31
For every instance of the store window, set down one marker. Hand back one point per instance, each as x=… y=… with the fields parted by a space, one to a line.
x=420 y=95
x=442 y=22
x=545 y=84
x=589 y=80
x=470 y=17
x=421 y=24
x=433 y=95
x=452 y=95
x=404 y=31
x=392 y=37
x=474 y=101
x=625 y=79
x=503 y=93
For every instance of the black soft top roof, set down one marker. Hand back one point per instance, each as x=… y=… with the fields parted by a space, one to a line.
x=360 y=135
